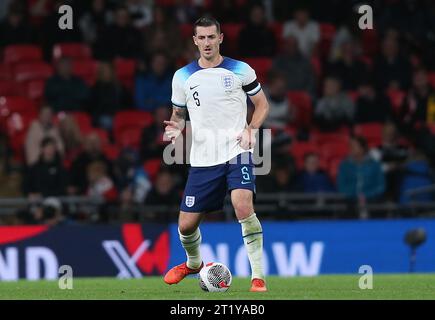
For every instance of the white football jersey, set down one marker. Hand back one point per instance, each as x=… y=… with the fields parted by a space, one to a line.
x=216 y=101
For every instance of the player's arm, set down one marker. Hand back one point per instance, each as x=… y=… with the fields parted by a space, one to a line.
x=247 y=137
x=261 y=110
x=175 y=126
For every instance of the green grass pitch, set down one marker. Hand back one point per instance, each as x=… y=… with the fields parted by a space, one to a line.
x=399 y=286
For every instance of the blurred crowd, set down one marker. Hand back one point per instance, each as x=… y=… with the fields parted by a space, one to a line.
x=352 y=111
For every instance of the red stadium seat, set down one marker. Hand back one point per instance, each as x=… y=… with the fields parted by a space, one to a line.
x=17 y=126
x=431 y=78
x=261 y=67
x=231 y=36
x=86 y=70
x=32 y=71
x=277 y=28
x=333 y=167
x=5 y=72
x=316 y=64
x=302 y=101
x=12 y=104
x=9 y=88
x=128 y=125
x=111 y=151
x=76 y=51
x=321 y=138
x=129 y=137
x=152 y=167
x=34 y=90
x=396 y=98
x=353 y=95
x=186 y=30
x=125 y=70
x=369 y=42
x=300 y=149
x=332 y=150
x=371 y=131
x=327 y=33
x=368 y=61
x=22 y=53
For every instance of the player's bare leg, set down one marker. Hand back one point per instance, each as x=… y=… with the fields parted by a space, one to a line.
x=252 y=235
x=190 y=237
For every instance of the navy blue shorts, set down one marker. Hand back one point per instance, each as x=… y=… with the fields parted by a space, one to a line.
x=207 y=187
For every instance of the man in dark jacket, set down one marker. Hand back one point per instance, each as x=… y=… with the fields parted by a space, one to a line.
x=47 y=177
x=64 y=91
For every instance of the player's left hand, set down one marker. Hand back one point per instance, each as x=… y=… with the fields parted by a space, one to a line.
x=247 y=138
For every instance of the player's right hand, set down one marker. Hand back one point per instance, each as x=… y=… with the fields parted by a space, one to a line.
x=172 y=130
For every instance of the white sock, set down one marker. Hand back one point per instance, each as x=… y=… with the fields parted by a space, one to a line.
x=253 y=238
x=191 y=245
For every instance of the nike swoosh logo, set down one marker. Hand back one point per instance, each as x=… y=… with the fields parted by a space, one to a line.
x=251 y=241
x=246 y=182
x=191 y=88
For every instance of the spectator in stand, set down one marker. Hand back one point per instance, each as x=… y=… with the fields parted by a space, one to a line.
x=65 y=91
x=53 y=214
x=256 y=39
x=417 y=173
x=335 y=108
x=420 y=99
x=299 y=72
x=120 y=39
x=153 y=89
x=14 y=29
x=164 y=191
x=41 y=128
x=132 y=181
x=163 y=35
x=71 y=137
x=306 y=31
x=47 y=177
x=92 y=152
x=347 y=66
x=107 y=97
x=371 y=106
x=141 y=12
x=360 y=178
x=312 y=179
x=93 y=21
x=151 y=143
x=392 y=156
x=283 y=177
x=391 y=70
x=347 y=31
x=100 y=184
x=281 y=111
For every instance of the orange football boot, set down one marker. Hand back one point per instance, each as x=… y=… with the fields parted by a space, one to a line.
x=258 y=285
x=178 y=273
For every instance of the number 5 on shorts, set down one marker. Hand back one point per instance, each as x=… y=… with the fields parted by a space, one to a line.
x=245 y=174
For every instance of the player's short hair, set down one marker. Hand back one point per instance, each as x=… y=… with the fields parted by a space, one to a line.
x=207 y=22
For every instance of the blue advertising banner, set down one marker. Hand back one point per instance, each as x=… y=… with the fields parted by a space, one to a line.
x=124 y=251
x=135 y=250
x=312 y=248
